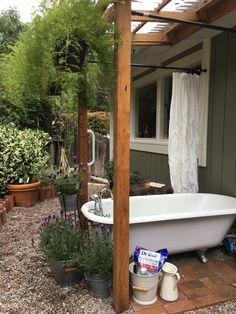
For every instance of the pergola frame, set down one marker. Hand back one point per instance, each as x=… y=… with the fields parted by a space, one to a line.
x=208 y=11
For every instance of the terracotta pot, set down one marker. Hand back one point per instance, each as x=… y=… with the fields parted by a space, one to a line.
x=26 y=195
x=54 y=193
x=3 y=213
x=11 y=200
x=42 y=194
x=48 y=192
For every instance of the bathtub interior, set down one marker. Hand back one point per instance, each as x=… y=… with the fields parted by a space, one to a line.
x=147 y=208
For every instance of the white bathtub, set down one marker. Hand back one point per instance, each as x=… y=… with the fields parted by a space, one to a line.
x=179 y=222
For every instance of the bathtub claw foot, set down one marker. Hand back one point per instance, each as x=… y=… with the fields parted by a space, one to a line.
x=201 y=254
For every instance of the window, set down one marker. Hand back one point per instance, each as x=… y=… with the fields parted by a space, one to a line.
x=156 y=87
x=153 y=110
x=146 y=111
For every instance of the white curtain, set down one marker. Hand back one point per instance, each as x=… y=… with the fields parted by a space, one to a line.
x=183 y=132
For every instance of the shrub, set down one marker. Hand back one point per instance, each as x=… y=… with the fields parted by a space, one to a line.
x=22 y=154
x=99 y=122
x=60 y=238
x=96 y=253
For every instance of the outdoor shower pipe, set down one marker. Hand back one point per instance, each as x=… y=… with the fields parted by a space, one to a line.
x=93 y=148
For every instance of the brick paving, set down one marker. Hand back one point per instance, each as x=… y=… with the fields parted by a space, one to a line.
x=201 y=285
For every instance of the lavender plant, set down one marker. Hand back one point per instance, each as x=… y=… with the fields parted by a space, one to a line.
x=67 y=180
x=96 y=253
x=60 y=237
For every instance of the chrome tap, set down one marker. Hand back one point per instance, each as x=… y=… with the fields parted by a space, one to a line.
x=97 y=198
x=97 y=205
x=106 y=190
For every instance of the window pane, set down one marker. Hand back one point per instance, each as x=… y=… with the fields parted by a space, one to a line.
x=146 y=109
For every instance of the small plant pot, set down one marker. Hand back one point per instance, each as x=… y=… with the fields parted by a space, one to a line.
x=42 y=194
x=3 y=214
x=11 y=201
x=48 y=192
x=69 y=202
x=54 y=194
x=99 y=286
x=65 y=273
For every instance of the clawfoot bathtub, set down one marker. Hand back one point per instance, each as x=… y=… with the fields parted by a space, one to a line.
x=180 y=222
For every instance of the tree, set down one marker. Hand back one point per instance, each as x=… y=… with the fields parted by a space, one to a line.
x=32 y=79
x=10 y=29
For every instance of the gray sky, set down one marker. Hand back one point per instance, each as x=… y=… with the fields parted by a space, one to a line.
x=25 y=7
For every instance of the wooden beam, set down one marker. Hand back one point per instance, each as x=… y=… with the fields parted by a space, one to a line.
x=159 y=38
x=162 y=5
x=149 y=43
x=122 y=158
x=138 y=27
x=109 y=14
x=101 y=4
x=82 y=156
x=213 y=13
x=178 y=15
x=218 y=9
x=205 y=5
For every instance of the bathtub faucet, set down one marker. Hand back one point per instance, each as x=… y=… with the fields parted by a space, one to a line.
x=106 y=190
x=97 y=205
x=97 y=198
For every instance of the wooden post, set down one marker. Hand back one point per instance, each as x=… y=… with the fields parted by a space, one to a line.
x=82 y=156
x=122 y=158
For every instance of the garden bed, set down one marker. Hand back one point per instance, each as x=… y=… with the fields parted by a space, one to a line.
x=25 y=278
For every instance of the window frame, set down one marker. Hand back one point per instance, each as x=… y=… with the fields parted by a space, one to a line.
x=158 y=145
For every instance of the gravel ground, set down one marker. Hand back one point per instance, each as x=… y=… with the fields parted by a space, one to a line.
x=26 y=284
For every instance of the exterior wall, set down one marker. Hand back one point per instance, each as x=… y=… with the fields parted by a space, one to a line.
x=153 y=167
x=220 y=174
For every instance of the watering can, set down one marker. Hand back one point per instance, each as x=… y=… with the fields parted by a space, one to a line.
x=170 y=277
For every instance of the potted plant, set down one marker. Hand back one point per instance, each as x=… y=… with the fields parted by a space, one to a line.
x=60 y=240
x=45 y=185
x=95 y=258
x=136 y=183
x=22 y=156
x=67 y=183
x=109 y=171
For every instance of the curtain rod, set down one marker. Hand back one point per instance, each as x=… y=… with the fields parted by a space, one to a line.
x=168 y=68
x=175 y=20
x=197 y=70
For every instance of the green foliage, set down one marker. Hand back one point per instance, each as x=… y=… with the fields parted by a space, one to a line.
x=59 y=239
x=10 y=29
x=22 y=154
x=30 y=72
x=109 y=170
x=136 y=178
x=67 y=180
x=99 y=122
x=96 y=253
x=45 y=176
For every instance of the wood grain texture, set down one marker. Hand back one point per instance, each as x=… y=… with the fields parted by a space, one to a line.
x=122 y=159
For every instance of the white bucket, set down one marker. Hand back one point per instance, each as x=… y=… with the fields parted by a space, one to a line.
x=144 y=287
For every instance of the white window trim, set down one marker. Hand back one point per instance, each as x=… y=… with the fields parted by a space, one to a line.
x=159 y=145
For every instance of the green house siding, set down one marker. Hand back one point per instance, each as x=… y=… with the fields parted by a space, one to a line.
x=220 y=174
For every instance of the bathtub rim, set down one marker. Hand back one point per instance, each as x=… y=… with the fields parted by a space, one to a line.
x=161 y=217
